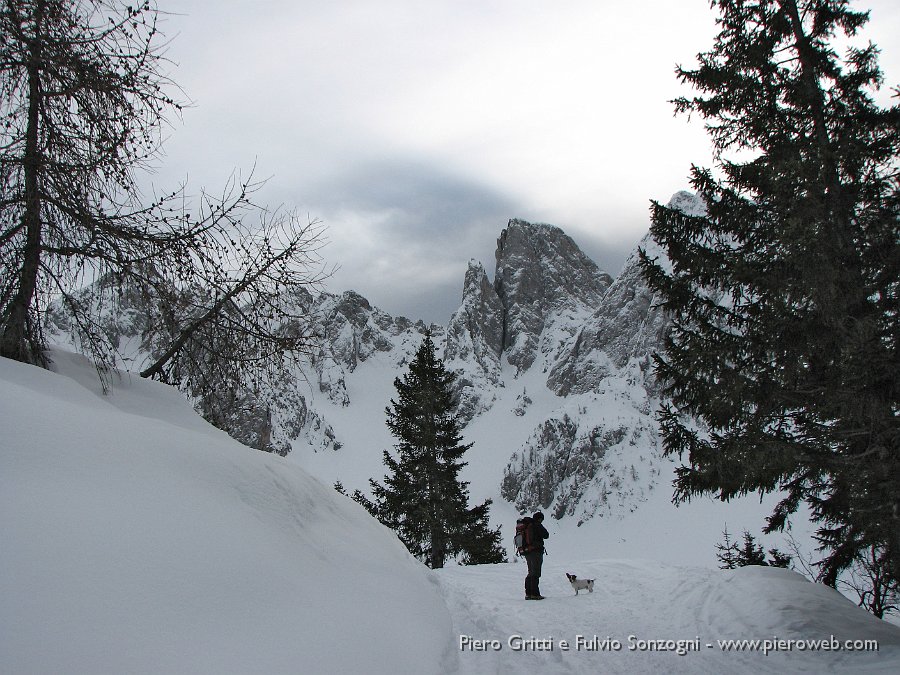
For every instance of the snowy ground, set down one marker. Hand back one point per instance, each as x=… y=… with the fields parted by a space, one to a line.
x=642 y=614
x=136 y=538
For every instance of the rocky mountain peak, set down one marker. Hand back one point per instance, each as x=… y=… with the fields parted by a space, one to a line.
x=688 y=203
x=629 y=324
x=480 y=316
x=540 y=273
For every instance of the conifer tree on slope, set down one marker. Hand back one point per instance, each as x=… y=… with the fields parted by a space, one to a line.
x=422 y=498
x=785 y=295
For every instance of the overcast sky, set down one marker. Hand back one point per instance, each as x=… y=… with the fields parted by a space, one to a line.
x=415 y=129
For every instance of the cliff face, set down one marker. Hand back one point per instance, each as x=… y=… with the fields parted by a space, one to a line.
x=474 y=344
x=544 y=287
x=353 y=331
x=554 y=316
x=598 y=454
x=627 y=325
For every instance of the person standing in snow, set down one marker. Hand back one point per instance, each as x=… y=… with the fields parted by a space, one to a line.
x=535 y=557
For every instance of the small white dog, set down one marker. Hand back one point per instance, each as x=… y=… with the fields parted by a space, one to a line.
x=580 y=584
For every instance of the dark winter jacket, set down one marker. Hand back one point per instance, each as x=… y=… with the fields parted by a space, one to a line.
x=538 y=534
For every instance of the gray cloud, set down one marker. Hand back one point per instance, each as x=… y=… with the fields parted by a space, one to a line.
x=431 y=200
x=403 y=233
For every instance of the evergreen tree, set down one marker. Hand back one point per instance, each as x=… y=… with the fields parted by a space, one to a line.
x=785 y=296
x=727 y=552
x=779 y=559
x=751 y=553
x=731 y=555
x=422 y=498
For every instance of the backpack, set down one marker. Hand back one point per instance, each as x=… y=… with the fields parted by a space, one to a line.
x=524 y=539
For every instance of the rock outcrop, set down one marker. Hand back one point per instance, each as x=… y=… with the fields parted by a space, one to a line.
x=627 y=325
x=474 y=344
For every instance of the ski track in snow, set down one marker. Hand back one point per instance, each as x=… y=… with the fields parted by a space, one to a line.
x=649 y=601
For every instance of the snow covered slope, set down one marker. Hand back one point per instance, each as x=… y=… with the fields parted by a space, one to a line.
x=135 y=538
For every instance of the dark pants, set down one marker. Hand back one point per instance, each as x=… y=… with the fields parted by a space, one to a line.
x=532 y=582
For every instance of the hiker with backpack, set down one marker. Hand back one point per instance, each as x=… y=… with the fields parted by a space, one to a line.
x=530 y=535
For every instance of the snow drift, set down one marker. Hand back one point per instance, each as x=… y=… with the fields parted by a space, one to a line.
x=138 y=538
x=646 y=617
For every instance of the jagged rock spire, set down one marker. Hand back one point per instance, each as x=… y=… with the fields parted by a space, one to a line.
x=541 y=273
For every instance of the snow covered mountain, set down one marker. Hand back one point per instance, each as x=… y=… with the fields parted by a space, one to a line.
x=551 y=321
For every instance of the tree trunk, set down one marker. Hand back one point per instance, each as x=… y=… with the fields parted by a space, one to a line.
x=18 y=340
x=438 y=552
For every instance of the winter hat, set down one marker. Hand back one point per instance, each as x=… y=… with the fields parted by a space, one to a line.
x=538 y=515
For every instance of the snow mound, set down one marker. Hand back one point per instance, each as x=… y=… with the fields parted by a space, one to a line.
x=137 y=538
